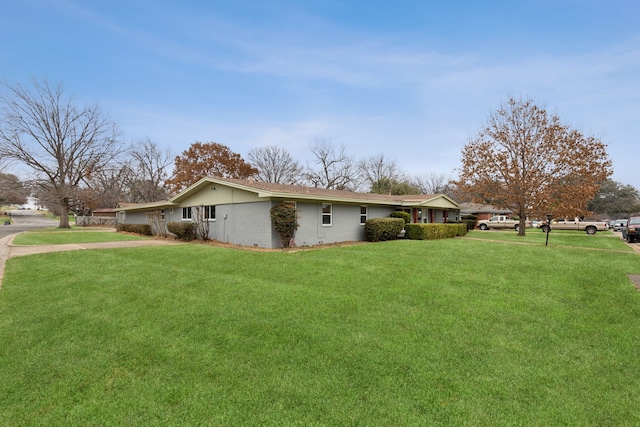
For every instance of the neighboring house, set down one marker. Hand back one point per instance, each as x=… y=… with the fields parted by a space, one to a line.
x=238 y=211
x=104 y=212
x=482 y=211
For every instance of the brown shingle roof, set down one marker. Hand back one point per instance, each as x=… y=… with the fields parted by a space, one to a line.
x=324 y=192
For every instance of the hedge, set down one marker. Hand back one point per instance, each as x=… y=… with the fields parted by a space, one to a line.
x=471 y=221
x=144 y=229
x=381 y=229
x=434 y=231
x=182 y=230
x=401 y=214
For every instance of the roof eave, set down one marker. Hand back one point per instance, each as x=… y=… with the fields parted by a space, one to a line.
x=147 y=206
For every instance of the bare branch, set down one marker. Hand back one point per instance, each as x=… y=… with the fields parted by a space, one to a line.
x=333 y=167
x=62 y=144
x=275 y=165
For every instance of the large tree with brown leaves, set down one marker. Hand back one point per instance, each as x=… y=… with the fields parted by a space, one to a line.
x=525 y=160
x=207 y=159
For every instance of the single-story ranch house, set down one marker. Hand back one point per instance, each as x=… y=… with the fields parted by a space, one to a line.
x=238 y=211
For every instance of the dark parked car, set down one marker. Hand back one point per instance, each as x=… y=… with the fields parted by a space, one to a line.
x=632 y=233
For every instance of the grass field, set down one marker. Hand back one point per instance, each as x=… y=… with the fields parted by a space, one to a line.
x=57 y=236
x=481 y=331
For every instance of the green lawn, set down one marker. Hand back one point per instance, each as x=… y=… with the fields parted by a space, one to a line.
x=557 y=238
x=57 y=236
x=450 y=332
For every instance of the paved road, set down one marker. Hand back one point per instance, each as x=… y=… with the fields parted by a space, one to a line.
x=25 y=220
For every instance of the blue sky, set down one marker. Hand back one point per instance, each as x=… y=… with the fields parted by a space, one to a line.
x=410 y=79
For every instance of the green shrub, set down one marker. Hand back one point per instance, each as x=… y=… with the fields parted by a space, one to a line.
x=184 y=231
x=465 y=224
x=144 y=229
x=434 y=231
x=381 y=229
x=470 y=220
x=284 y=219
x=401 y=214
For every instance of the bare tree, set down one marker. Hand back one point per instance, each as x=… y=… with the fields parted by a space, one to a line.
x=157 y=221
x=200 y=218
x=148 y=171
x=275 y=165
x=433 y=183
x=377 y=169
x=61 y=143
x=333 y=167
x=107 y=186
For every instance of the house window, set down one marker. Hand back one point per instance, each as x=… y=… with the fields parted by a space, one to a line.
x=186 y=214
x=162 y=214
x=210 y=212
x=326 y=214
x=363 y=215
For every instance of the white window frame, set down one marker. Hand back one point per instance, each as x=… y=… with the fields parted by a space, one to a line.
x=189 y=212
x=206 y=212
x=327 y=214
x=364 y=215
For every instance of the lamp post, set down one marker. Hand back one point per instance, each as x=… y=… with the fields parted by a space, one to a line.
x=549 y=216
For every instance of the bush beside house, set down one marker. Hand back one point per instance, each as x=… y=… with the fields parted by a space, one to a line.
x=434 y=231
x=401 y=214
x=184 y=231
x=144 y=229
x=381 y=229
x=470 y=220
x=284 y=219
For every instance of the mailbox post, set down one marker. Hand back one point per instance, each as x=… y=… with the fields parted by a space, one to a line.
x=549 y=217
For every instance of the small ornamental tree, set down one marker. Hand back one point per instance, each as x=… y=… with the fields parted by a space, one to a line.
x=200 y=223
x=284 y=219
x=156 y=219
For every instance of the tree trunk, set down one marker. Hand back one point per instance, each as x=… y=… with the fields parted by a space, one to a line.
x=522 y=226
x=64 y=213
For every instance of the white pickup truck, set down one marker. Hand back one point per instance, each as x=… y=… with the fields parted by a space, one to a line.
x=499 y=221
x=590 y=227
